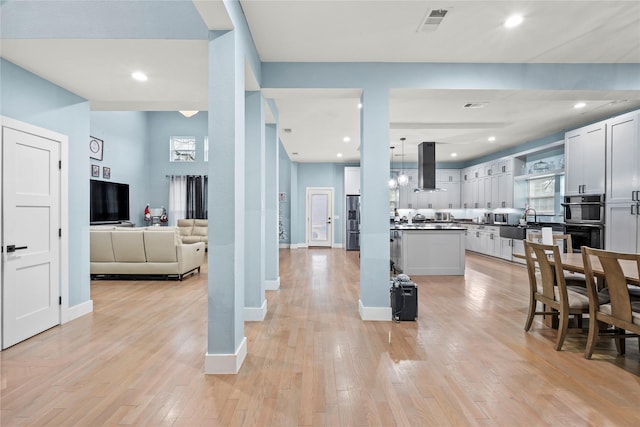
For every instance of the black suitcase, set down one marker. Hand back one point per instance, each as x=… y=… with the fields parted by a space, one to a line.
x=404 y=301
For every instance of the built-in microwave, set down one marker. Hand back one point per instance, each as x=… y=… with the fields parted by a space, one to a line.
x=504 y=218
x=584 y=209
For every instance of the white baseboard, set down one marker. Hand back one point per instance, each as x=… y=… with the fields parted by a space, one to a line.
x=337 y=245
x=255 y=314
x=284 y=245
x=299 y=246
x=374 y=313
x=70 y=313
x=272 y=285
x=226 y=363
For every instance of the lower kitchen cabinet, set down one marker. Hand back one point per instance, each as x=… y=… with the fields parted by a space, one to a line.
x=506 y=248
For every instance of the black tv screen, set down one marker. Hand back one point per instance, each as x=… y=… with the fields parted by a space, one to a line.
x=109 y=201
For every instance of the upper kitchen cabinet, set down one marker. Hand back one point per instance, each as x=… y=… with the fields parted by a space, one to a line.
x=623 y=158
x=351 y=180
x=585 y=160
x=407 y=198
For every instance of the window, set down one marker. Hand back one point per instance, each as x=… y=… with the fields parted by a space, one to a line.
x=182 y=149
x=542 y=192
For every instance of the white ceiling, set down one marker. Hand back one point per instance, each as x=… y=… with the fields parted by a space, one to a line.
x=373 y=31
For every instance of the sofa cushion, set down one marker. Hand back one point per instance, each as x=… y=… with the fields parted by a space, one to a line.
x=185 y=226
x=160 y=246
x=200 y=227
x=101 y=248
x=128 y=246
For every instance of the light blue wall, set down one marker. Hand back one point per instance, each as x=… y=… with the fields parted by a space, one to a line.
x=28 y=98
x=161 y=126
x=284 y=185
x=125 y=152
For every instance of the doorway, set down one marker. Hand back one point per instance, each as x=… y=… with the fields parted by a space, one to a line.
x=320 y=217
x=31 y=227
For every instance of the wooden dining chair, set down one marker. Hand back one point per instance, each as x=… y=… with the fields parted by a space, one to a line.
x=550 y=289
x=622 y=312
x=571 y=278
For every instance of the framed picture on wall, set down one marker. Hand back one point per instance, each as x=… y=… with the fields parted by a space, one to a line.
x=95 y=171
x=106 y=172
x=95 y=148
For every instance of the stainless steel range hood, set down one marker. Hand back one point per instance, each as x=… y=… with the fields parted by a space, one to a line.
x=427 y=167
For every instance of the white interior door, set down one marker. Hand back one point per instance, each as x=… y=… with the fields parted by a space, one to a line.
x=30 y=241
x=319 y=217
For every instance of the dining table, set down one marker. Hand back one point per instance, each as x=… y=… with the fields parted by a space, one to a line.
x=575 y=263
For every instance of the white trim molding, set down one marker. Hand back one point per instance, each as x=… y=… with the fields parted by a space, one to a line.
x=71 y=313
x=272 y=285
x=374 y=313
x=284 y=245
x=226 y=363
x=299 y=246
x=255 y=314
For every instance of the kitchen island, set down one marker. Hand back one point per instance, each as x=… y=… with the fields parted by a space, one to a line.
x=428 y=249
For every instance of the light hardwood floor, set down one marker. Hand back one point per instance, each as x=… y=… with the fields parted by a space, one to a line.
x=138 y=359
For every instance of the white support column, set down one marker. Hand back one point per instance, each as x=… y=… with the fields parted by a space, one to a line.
x=226 y=344
x=374 y=202
x=272 y=246
x=255 y=304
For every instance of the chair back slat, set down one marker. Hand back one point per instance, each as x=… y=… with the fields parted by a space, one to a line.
x=537 y=254
x=614 y=277
x=565 y=238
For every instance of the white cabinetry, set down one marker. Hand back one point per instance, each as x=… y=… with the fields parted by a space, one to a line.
x=488 y=185
x=623 y=168
x=585 y=160
x=506 y=248
x=622 y=216
x=408 y=199
x=352 y=180
x=449 y=181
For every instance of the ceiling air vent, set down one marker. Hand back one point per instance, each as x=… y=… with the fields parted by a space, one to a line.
x=287 y=130
x=432 y=20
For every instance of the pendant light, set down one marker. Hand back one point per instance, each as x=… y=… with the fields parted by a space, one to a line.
x=403 y=179
x=393 y=184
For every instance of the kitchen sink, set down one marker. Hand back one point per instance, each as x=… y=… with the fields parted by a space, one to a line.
x=513 y=232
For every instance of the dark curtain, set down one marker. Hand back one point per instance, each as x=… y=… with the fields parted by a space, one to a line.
x=205 y=196
x=196 y=196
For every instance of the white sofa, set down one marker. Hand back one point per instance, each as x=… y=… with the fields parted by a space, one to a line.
x=131 y=252
x=194 y=230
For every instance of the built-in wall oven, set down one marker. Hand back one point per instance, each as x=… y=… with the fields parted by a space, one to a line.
x=584 y=220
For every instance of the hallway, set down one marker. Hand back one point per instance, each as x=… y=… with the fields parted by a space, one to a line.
x=138 y=359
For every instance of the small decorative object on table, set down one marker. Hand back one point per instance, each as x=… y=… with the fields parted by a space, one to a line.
x=147 y=213
x=163 y=218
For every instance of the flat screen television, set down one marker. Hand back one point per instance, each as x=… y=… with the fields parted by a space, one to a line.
x=109 y=202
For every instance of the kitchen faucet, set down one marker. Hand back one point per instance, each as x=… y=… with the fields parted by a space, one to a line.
x=535 y=214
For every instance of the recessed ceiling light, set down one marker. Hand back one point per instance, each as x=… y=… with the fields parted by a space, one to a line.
x=359 y=104
x=579 y=105
x=513 y=21
x=346 y=139
x=339 y=154
x=491 y=138
x=454 y=154
x=139 y=76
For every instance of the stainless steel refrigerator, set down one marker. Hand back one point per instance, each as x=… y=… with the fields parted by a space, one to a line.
x=353 y=223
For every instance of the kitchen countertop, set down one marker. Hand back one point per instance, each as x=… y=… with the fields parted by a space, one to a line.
x=427 y=227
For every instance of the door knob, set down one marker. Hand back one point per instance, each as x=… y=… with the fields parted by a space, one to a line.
x=13 y=248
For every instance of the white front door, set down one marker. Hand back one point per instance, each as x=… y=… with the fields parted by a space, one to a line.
x=30 y=244
x=319 y=216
